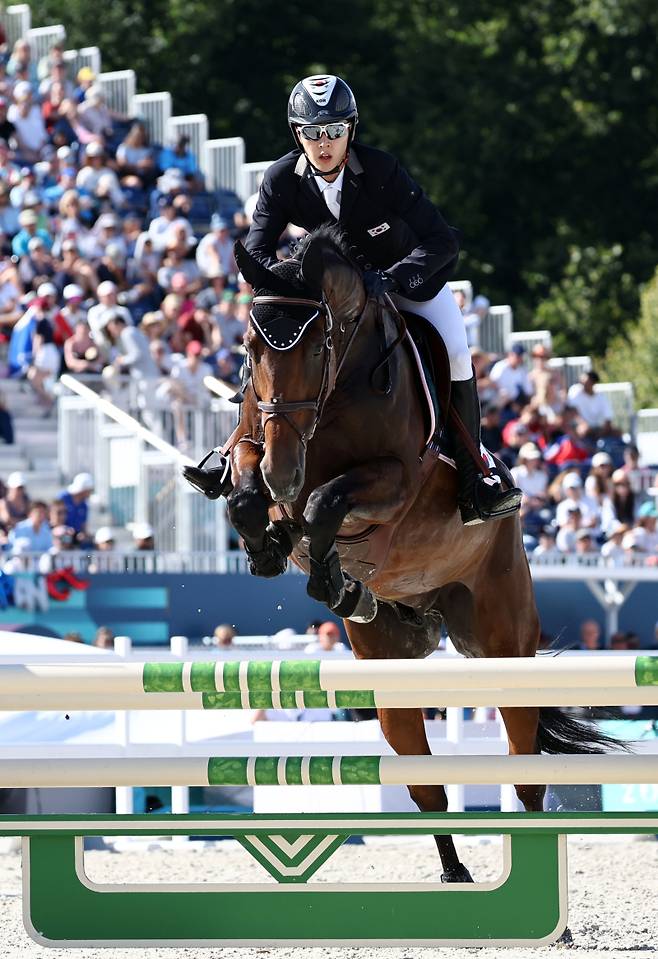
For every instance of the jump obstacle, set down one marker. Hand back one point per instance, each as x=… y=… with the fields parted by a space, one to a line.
x=526 y=906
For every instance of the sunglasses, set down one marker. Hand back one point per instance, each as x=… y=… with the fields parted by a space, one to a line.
x=333 y=131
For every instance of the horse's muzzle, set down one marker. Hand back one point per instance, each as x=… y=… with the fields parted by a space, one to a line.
x=284 y=489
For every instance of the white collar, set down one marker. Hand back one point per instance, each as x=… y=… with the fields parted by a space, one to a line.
x=338 y=182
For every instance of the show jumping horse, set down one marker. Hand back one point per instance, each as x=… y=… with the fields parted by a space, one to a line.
x=330 y=464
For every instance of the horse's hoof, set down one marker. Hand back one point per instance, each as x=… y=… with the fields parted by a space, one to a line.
x=270 y=561
x=358 y=604
x=459 y=874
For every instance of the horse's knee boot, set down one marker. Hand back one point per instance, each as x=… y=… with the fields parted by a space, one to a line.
x=359 y=605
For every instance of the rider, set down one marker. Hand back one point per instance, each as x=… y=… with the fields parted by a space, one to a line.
x=398 y=236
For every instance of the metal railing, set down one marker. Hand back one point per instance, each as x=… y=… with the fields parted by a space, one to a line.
x=119 y=90
x=529 y=339
x=646 y=435
x=251 y=176
x=195 y=126
x=155 y=110
x=137 y=474
x=17 y=20
x=571 y=367
x=622 y=401
x=222 y=162
x=496 y=328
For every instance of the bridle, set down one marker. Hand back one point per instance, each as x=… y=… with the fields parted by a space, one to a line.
x=277 y=406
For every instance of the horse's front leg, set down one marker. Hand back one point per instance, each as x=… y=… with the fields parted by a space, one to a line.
x=266 y=544
x=374 y=493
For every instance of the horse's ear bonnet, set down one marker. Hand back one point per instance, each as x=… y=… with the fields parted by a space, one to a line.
x=280 y=325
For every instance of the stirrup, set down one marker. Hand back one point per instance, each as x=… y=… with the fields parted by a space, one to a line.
x=213 y=482
x=489 y=501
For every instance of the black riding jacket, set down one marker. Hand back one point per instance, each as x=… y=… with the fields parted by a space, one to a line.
x=386 y=217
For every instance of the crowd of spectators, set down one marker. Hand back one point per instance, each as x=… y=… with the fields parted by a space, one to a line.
x=103 y=267
x=585 y=494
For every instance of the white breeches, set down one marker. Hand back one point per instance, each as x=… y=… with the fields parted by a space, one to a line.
x=444 y=315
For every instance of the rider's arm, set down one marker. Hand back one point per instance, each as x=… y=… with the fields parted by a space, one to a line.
x=438 y=246
x=269 y=221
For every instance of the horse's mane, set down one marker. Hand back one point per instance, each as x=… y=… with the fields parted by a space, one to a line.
x=332 y=233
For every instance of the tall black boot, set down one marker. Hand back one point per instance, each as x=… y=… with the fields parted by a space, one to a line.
x=213 y=482
x=480 y=498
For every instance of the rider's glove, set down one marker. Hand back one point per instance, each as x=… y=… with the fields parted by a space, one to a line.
x=377 y=283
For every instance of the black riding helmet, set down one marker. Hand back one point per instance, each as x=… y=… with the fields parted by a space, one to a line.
x=321 y=99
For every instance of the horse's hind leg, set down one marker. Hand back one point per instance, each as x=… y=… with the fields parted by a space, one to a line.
x=386 y=637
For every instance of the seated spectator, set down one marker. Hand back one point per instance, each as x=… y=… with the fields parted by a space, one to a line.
x=175 y=262
x=593 y=408
x=612 y=550
x=28 y=222
x=85 y=79
x=74 y=269
x=179 y=157
x=490 y=431
x=10 y=311
x=21 y=61
x=94 y=114
x=585 y=543
x=30 y=131
x=96 y=317
x=135 y=161
x=223 y=636
x=6 y=422
x=57 y=513
x=645 y=529
x=104 y=539
x=104 y=638
x=69 y=130
x=328 y=640
x=623 y=497
x=186 y=388
x=143 y=537
x=590 y=635
x=63 y=542
x=214 y=255
x=34 y=529
x=36 y=265
x=76 y=500
x=73 y=310
x=546 y=547
x=572 y=489
x=133 y=354
x=97 y=179
x=51 y=106
x=57 y=76
x=9 y=171
x=631 y=546
x=565 y=541
x=72 y=224
x=531 y=478
x=9 y=222
x=569 y=449
x=15 y=504
x=511 y=378
x=80 y=352
x=47 y=358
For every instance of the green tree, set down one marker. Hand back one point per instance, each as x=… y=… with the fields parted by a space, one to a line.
x=633 y=356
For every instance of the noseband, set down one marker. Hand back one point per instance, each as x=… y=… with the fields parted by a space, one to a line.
x=277 y=406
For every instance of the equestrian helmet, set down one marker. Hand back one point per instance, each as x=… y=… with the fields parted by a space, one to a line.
x=321 y=99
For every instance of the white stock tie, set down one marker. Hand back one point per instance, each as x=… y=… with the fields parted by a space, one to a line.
x=332 y=199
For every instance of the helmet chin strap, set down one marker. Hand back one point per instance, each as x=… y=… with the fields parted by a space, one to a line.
x=325 y=173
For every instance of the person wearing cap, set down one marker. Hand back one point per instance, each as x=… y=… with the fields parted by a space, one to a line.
x=510 y=377
x=645 y=527
x=29 y=227
x=76 y=500
x=214 y=255
x=572 y=489
x=105 y=539
x=73 y=310
x=85 y=78
x=612 y=550
x=36 y=264
x=47 y=356
x=34 y=529
x=546 y=546
x=94 y=114
x=31 y=135
x=531 y=478
x=585 y=543
x=143 y=537
x=107 y=301
x=97 y=179
x=592 y=407
x=15 y=504
x=63 y=542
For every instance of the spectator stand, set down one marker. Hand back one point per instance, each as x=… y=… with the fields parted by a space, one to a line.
x=119 y=90
x=17 y=21
x=622 y=401
x=251 y=177
x=222 y=162
x=89 y=57
x=194 y=126
x=154 y=109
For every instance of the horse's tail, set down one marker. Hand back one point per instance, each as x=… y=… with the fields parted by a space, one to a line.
x=559 y=733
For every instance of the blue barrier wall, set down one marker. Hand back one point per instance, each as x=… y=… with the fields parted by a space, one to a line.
x=151 y=607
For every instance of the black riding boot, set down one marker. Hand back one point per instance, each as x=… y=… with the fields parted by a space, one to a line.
x=480 y=498
x=213 y=482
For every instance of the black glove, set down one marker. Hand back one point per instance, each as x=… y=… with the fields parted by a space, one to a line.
x=377 y=283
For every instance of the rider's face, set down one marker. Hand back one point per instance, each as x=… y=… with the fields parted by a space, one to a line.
x=324 y=153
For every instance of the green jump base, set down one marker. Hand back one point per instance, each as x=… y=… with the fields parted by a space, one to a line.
x=527 y=905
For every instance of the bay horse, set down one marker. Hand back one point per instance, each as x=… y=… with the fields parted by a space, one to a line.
x=330 y=464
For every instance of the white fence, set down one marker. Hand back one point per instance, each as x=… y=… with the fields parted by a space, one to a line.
x=41 y=39
x=84 y=57
x=137 y=474
x=119 y=90
x=251 y=176
x=222 y=162
x=17 y=20
x=496 y=329
x=528 y=339
x=646 y=425
x=571 y=367
x=155 y=110
x=195 y=126
x=622 y=401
